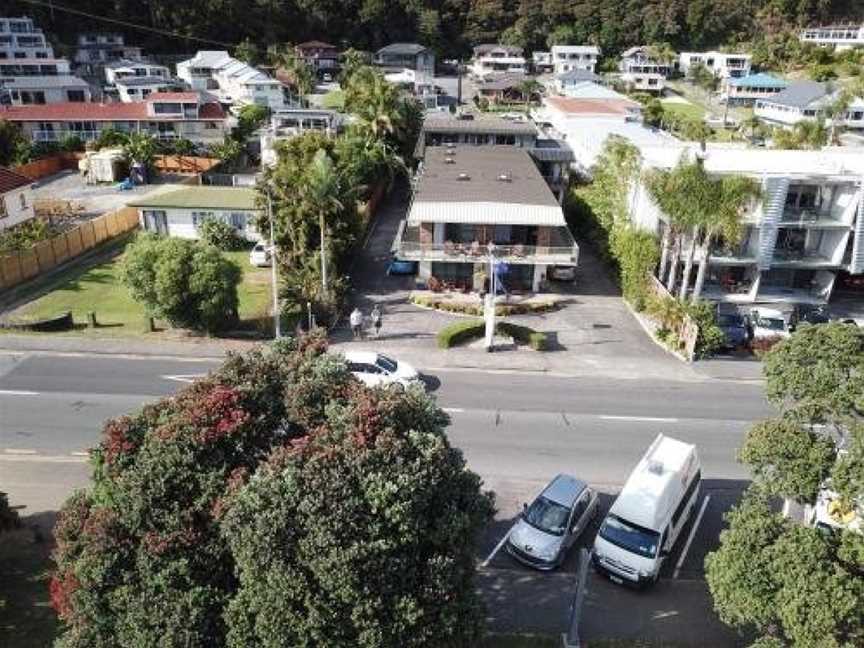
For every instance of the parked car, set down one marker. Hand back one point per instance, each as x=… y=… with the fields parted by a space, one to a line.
x=562 y=273
x=735 y=330
x=375 y=370
x=399 y=267
x=260 y=255
x=550 y=526
x=327 y=77
x=766 y=323
x=809 y=314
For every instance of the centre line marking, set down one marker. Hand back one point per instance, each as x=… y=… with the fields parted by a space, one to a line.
x=17 y=392
x=652 y=419
x=497 y=548
x=453 y=410
x=17 y=451
x=691 y=536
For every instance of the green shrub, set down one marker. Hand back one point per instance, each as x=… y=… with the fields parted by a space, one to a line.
x=459 y=332
x=219 y=234
x=711 y=337
x=463 y=308
x=524 y=335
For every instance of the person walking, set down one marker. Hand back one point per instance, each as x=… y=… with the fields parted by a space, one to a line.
x=356 y=319
x=376 y=320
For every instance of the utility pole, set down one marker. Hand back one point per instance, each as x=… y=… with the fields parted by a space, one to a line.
x=277 y=324
x=489 y=305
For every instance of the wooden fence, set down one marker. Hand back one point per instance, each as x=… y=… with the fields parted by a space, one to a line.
x=686 y=330
x=20 y=266
x=49 y=165
x=184 y=164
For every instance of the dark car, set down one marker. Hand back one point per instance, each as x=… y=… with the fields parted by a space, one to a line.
x=735 y=329
x=400 y=267
x=809 y=314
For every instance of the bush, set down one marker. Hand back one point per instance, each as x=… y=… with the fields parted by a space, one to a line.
x=72 y=144
x=762 y=346
x=524 y=335
x=711 y=337
x=464 y=308
x=184 y=282
x=220 y=235
x=459 y=332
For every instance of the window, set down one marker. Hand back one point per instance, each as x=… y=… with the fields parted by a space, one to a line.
x=3 y=212
x=237 y=220
x=682 y=505
x=76 y=96
x=167 y=108
x=23 y=200
x=198 y=217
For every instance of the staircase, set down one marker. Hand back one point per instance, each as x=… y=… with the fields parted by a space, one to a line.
x=856 y=264
x=774 y=190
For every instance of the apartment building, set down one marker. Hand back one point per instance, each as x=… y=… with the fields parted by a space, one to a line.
x=21 y=39
x=473 y=202
x=129 y=68
x=641 y=72
x=745 y=91
x=320 y=56
x=95 y=50
x=407 y=56
x=722 y=64
x=39 y=81
x=232 y=81
x=542 y=62
x=807 y=100
x=808 y=227
x=497 y=59
x=840 y=37
x=566 y=58
x=167 y=116
x=291 y=122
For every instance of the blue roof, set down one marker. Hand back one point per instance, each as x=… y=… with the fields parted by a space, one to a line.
x=760 y=80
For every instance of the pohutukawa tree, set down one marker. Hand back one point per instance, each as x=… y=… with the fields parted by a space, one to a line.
x=277 y=502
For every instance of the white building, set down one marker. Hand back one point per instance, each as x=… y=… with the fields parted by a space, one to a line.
x=179 y=210
x=492 y=59
x=97 y=49
x=642 y=73
x=723 y=64
x=577 y=82
x=39 y=81
x=566 y=58
x=126 y=68
x=808 y=227
x=20 y=39
x=807 y=100
x=139 y=88
x=542 y=62
x=231 y=80
x=16 y=198
x=749 y=89
x=839 y=37
x=291 y=122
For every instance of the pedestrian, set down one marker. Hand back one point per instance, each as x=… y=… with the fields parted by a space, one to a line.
x=376 y=320
x=357 y=323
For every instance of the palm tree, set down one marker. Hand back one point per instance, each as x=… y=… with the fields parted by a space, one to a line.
x=302 y=76
x=321 y=187
x=528 y=88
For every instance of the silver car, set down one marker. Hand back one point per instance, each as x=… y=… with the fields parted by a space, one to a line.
x=550 y=526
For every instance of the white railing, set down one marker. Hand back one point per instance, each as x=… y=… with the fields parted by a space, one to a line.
x=461 y=252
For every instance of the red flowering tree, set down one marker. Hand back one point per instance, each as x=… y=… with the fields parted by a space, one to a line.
x=153 y=553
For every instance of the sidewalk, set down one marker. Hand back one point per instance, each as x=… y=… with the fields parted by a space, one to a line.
x=201 y=349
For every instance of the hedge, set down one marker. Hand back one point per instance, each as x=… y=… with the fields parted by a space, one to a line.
x=502 y=310
x=459 y=332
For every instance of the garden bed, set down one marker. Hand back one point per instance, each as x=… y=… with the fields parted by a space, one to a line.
x=472 y=306
x=461 y=332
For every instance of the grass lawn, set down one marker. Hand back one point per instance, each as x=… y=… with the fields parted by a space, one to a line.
x=690 y=110
x=99 y=289
x=334 y=100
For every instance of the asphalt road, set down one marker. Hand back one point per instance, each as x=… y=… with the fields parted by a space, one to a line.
x=516 y=430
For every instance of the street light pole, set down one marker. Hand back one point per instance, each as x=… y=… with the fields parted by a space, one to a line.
x=489 y=306
x=277 y=324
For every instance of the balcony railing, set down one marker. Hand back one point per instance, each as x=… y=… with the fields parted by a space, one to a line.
x=463 y=252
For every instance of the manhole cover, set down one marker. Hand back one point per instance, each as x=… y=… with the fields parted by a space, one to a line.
x=601 y=326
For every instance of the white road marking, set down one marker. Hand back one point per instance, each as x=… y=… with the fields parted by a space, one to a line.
x=691 y=536
x=497 y=548
x=17 y=392
x=16 y=451
x=651 y=419
x=37 y=458
x=184 y=378
x=80 y=454
x=453 y=410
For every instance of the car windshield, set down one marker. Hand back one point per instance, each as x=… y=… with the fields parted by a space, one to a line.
x=729 y=320
x=772 y=323
x=629 y=536
x=548 y=516
x=387 y=364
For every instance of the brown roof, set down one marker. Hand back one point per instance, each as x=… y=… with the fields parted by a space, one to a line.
x=183 y=97
x=592 y=106
x=82 y=111
x=314 y=44
x=10 y=180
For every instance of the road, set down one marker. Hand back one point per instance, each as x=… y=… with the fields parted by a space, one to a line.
x=516 y=431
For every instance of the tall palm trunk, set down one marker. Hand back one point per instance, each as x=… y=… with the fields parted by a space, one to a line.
x=664 y=252
x=323 y=255
x=705 y=249
x=673 y=266
x=688 y=264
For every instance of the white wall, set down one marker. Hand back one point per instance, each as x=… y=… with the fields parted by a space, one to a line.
x=15 y=211
x=180 y=223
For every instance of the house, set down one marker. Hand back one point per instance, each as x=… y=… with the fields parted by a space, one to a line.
x=320 y=56
x=497 y=59
x=569 y=82
x=232 y=81
x=291 y=122
x=744 y=91
x=420 y=83
x=542 y=62
x=552 y=157
x=574 y=57
x=808 y=227
x=167 y=116
x=135 y=88
x=410 y=56
x=21 y=39
x=128 y=68
x=94 y=50
x=806 y=100
x=641 y=72
x=179 y=210
x=501 y=88
x=722 y=64
x=840 y=37
x=29 y=88
x=16 y=198
x=470 y=199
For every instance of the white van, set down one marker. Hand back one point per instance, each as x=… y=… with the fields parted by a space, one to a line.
x=647 y=517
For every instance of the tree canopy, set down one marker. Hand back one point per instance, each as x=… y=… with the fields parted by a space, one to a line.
x=275 y=502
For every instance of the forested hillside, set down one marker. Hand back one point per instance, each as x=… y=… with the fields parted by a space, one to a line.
x=451 y=26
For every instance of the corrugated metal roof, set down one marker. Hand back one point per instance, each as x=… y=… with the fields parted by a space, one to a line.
x=800 y=95
x=52 y=81
x=402 y=48
x=481 y=124
x=11 y=180
x=199 y=197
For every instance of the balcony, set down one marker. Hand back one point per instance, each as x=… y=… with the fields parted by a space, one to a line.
x=803 y=258
x=809 y=218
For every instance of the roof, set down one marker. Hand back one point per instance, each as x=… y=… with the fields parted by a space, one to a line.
x=577 y=107
x=10 y=180
x=146 y=81
x=564 y=490
x=655 y=485
x=199 y=197
x=800 y=95
x=33 y=61
x=485 y=184
x=402 y=48
x=51 y=81
x=207 y=58
x=631 y=51
x=484 y=49
x=83 y=111
x=502 y=82
x=314 y=44
x=591 y=90
x=481 y=124
x=582 y=49
x=131 y=63
x=759 y=80
x=577 y=75
x=178 y=97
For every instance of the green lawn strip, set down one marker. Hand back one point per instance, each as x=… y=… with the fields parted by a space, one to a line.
x=100 y=290
x=26 y=617
x=690 y=110
x=334 y=100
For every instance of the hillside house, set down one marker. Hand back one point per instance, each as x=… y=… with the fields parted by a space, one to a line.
x=807 y=100
x=16 y=198
x=642 y=73
x=566 y=58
